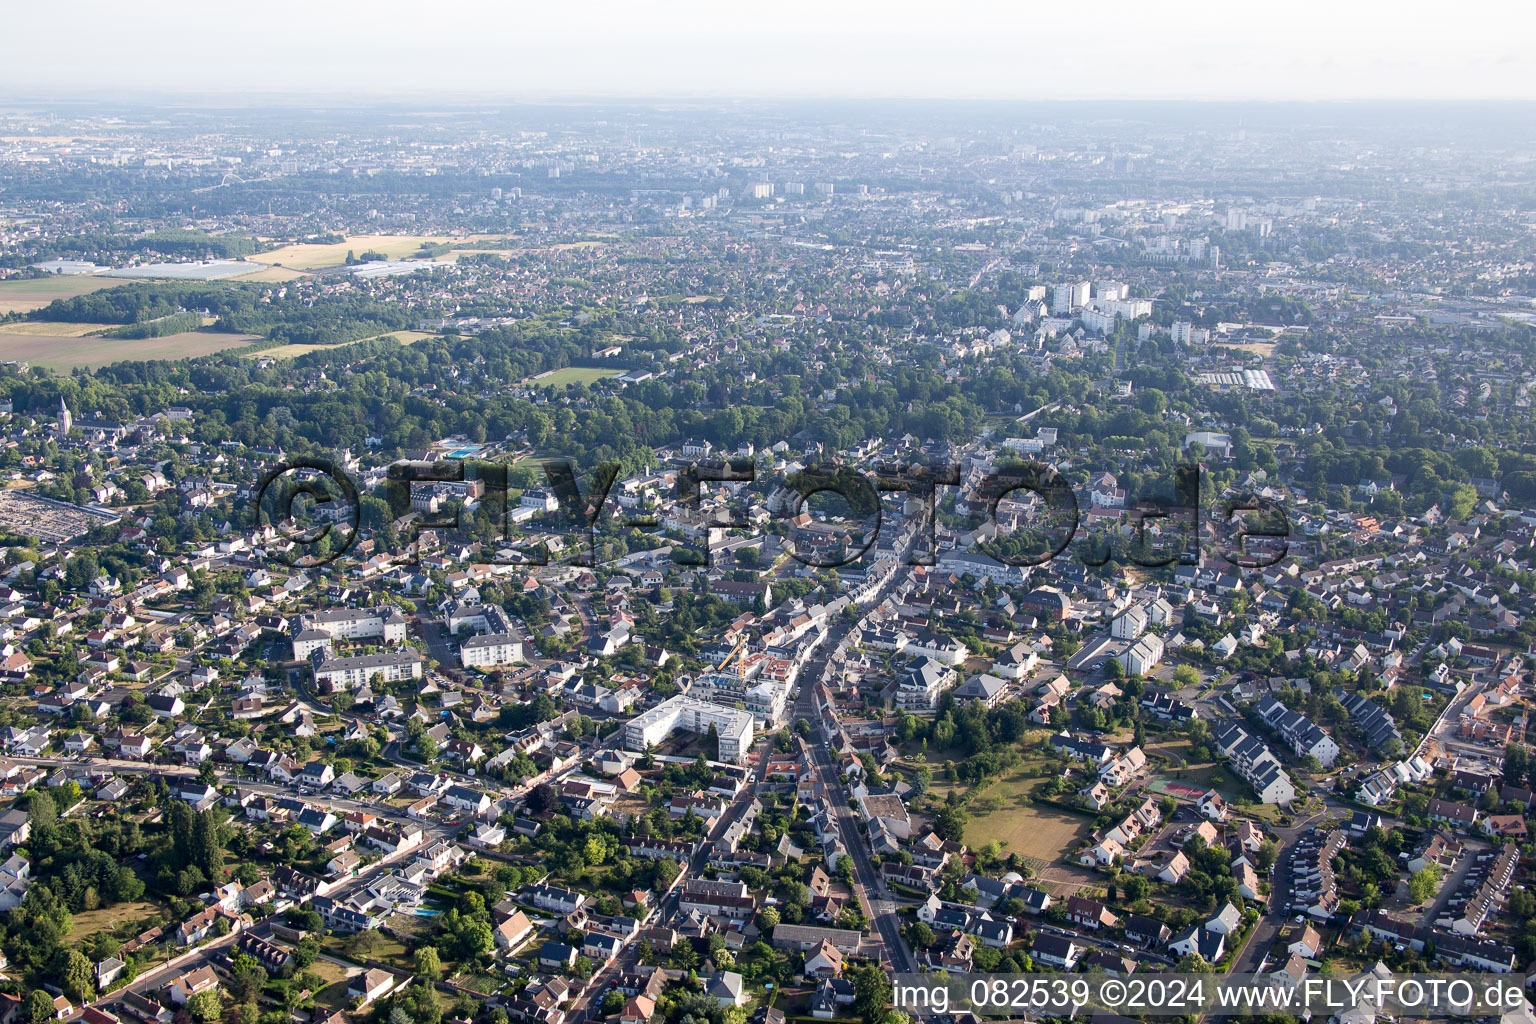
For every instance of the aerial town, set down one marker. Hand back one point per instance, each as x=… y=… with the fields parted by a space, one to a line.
x=689 y=566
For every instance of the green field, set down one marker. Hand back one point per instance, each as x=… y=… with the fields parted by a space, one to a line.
x=1003 y=812
x=87 y=923
x=63 y=353
x=23 y=296
x=572 y=375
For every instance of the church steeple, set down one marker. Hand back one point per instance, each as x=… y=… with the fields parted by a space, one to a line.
x=65 y=419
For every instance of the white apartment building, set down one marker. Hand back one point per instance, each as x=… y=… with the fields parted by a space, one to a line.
x=383 y=624
x=733 y=726
x=490 y=651
x=349 y=673
x=1129 y=624
x=1142 y=656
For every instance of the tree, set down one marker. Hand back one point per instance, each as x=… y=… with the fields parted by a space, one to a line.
x=428 y=964
x=1194 y=963
x=949 y=822
x=362 y=943
x=1462 y=500
x=246 y=979
x=684 y=956
x=922 y=779
x=543 y=799
x=204 y=1006
x=472 y=937
x=39 y=1007
x=42 y=811
x=305 y=953
x=871 y=993
x=1424 y=883
x=77 y=976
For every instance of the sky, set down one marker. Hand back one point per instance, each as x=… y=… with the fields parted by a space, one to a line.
x=795 y=49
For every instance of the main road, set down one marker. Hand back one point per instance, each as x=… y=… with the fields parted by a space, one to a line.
x=885 y=925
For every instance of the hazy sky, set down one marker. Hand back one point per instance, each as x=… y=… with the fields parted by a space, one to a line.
x=1020 y=49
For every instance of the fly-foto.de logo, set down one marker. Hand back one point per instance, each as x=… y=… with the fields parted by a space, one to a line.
x=1023 y=515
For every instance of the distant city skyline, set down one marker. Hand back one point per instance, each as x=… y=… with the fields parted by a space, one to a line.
x=1117 y=49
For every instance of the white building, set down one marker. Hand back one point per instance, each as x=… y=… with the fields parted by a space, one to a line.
x=350 y=673
x=733 y=726
x=1142 y=656
x=318 y=629
x=490 y=651
x=1129 y=624
x=1066 y=297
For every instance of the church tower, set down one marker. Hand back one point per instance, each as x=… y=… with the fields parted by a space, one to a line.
x=65 y=420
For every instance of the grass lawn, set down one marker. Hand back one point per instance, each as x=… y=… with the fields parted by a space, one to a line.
x=88 y=923
x=389 y=949
x=291 y=351
x=572 y=375
x=1002 y=812
x=332 y=973
x=334 y=996
x=1175 y=751
x=23 y=296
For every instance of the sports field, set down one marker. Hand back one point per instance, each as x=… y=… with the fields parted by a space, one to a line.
x=572 y=375
x=23 y=296
x=64 y=353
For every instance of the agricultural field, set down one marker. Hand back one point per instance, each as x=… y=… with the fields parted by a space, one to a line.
x=53 y=328
x=272 y=275
x=23 y=296
x=292 y=351
x=62 y=354
x=314 y=256
x=572 y=375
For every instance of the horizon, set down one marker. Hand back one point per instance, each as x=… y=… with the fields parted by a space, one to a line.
x=1189 y=50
